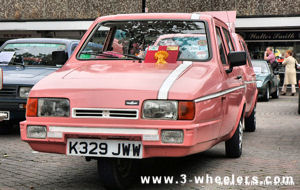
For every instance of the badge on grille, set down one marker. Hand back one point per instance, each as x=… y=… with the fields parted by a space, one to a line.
x=105 y=113
x=132 y=102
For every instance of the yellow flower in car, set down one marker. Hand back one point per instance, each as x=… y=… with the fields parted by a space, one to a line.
x=161 y=57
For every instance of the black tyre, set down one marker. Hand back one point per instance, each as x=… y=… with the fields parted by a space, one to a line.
x=250 y=122
x=275 y=94
x=266 y=96
x=117 y=173
x=5 y=127
x=234 y=145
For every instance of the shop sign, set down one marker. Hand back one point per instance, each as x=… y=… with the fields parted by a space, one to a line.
x=13 y=35
x=264 y=36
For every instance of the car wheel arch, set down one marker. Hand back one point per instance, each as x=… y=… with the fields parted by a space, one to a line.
x=240 y=114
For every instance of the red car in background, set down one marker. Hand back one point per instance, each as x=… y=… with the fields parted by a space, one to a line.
x=250 y=82
x=248 y=75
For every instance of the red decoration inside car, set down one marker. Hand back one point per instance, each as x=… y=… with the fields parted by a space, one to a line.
x=172 y=53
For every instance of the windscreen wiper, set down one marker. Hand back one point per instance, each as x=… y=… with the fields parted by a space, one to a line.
x=100 y=53
x=133 y=56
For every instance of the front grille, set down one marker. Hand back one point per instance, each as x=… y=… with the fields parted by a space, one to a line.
x=8 y=91
x=105 y=113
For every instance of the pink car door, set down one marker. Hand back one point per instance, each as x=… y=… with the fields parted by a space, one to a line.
x=233 y=88
x=249 y=78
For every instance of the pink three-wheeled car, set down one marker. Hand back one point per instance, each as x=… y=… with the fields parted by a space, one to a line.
x=161 y=85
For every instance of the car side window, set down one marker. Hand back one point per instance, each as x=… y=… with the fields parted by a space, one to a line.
x=221 y=46
x=228 y=39
x=247 y=52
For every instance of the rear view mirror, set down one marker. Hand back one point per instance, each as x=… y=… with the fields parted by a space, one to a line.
x=59 y=57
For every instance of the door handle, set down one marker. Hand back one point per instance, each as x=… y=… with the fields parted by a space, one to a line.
x=253 y=75
x=239 y=77
x=223 y=98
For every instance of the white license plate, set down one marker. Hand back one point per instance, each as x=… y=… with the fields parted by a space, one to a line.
x=4 y=115
x=105 y=148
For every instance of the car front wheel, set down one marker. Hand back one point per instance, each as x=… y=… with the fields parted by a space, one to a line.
x=117 y=173
x=234 y=145
x=266 y=96
x=275 y=94
x=5 y=127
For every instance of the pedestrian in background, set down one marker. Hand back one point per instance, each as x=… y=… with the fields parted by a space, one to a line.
x=290 y=64
x=269 y=55
x=270 y=58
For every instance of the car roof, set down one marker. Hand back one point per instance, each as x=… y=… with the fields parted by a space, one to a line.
x=155 y=16
x=42 y=40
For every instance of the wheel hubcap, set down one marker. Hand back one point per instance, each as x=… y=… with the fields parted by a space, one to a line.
x=240 y=134
x=268 y=93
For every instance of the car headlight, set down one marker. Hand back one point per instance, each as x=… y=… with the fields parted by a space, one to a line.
x=259 y=83
x=24 y=92
x=53 y=107
x=168 y=110
x=157 y=109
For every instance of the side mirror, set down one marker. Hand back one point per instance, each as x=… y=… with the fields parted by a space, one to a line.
x=59 y=57
x=236 y=58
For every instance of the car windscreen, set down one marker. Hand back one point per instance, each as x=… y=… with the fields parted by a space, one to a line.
x=128 y=39
x=30 y=54
x=260 y=67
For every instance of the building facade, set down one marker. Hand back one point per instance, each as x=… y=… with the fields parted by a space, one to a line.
x=90 y=9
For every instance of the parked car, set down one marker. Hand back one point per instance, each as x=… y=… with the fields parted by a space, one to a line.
x=141 y=101
x=2 y=115
x=24 y=62
x=267 y=80
x=250 y=82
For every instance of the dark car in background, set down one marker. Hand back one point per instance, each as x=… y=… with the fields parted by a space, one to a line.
x=24 y=62
x=267 y=81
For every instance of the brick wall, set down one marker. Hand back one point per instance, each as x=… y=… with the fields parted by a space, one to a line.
x=243 y=7
x=65 y=9
x=86 y=9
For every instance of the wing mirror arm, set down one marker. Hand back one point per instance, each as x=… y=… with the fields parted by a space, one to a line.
x=229 y=70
